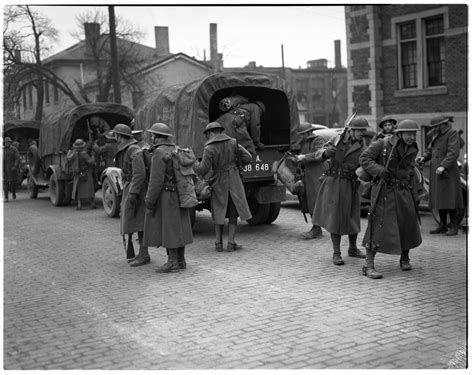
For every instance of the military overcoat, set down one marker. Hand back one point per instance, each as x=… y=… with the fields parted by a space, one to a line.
x=83 y=184
x=394 y=225
x=337 y=207
x=220 y=157
x=166 y=223
x=11 y=163
x=445 y=189
x=130 y=159
x=313 y=169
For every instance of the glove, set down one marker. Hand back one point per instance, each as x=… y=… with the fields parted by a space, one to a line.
x=385 y=174
x=133 y=200
x=330 y=152
x=420 y=160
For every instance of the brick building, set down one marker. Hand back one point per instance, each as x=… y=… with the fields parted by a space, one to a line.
x=409 y=61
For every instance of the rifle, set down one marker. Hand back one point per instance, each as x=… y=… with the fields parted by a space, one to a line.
x=346 y=127
x=371 y=213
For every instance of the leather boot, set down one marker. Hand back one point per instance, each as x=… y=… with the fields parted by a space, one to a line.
x=142 y=258
x=171 y=265
x=337 y=259
x=354 y=252
x=130 y=249
x=336 y=247
x=181 y=259
x=453 y=230
x=315 y=232
x=369 y=269
x=442 y=228
x=405 y=261
x=13 y=191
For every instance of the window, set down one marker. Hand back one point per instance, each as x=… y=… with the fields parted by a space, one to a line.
x=46 y=92
x=422 y=54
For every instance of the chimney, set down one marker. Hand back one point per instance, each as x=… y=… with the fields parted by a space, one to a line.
x=213 y=37
x=92 y=33
x=252 y=65
x=337 y=54
x=162 y=40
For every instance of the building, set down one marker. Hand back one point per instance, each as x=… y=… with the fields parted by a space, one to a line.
x=409 y=61
x=321 y=91
x=150 y=70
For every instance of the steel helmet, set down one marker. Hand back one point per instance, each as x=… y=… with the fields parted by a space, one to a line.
x=213 y=125
x=160 y=128
x=261 y=105
x=358 y=123
x=79 y=144
x=7 y=140
x=407 y=126
x=385 y=119
x=109 y=135
x=123 y=130
x=438 y=120
x=305 y=127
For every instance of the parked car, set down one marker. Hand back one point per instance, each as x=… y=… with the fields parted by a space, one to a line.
x=23 y=131
x=48 y=164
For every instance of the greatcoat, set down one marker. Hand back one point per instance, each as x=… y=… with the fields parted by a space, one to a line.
x=220 y=157
x=337 y=207
x=394 y=225
x=166 y=223
x=313 y=169
x=11 y=164
x=445 y=189
x=130 y=160
x=83 y=184
x=235 y=126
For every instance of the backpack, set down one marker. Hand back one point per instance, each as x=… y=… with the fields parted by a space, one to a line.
x=183 y=160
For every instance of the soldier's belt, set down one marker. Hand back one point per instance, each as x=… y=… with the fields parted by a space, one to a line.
x=349 y=175
x=169 y=187
x=398 y=184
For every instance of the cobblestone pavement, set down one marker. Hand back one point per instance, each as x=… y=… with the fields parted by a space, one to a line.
x=72 y=302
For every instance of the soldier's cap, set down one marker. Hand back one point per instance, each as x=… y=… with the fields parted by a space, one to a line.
x=213 y=125
x=161 y=129
x=385 y=119
x=123 y=130
x=407 y=126
x=7 y=140
x=110 y=135
x=440 y=119
x=305 y=127
x=79 y=144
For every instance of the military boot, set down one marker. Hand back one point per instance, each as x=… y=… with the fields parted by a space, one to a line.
x=453 y=230
x=405 y=261
x=142 y=258
x=181 y=259
x=442 y=228
x=353 y=251
x=315 y=232
x=130 y=249
x=369 y=269
x=337 y=259
x=171 y=265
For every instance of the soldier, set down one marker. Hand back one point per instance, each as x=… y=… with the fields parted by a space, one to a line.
x=393 y=223
x=254 y=113
x=445 y=185
x=388 y=125
x=337 y=207
x=228 y=195
x=11 y=165
x=166 y=223
x=130 y=159
x=82 y=168
x=138 y=135
x=106 y=152
x=313 y=169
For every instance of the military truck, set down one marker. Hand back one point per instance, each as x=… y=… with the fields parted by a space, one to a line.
x=188 y=108
x=48 y=164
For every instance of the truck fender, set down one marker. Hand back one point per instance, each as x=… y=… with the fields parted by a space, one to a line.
x=114 y=174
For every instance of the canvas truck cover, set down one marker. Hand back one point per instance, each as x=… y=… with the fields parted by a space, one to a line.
x=188 y=108
x=10 y=125
x=57 y=129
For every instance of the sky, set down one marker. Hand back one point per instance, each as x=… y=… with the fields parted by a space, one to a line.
x=244 y=33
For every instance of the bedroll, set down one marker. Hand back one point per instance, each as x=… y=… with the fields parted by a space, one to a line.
x=183 y=160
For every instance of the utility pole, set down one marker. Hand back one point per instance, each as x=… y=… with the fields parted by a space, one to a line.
x=113 y=54
x=282 y=63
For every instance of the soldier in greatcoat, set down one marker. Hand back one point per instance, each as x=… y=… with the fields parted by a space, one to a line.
x=388 y=126
x=83 y=177
x=228 y=195
x=130 y=159
x=11 y=165
x=106 y=152
x=337 y=207
x=313 y=169
x=445 y=185
x=166 y=223
x=393 y=223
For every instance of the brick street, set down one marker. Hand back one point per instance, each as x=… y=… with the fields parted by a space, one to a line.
x=72 y=302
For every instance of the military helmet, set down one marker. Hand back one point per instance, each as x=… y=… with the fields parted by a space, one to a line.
x=305 y=127
x=160 y=128
x=385 y=119
x=438 y=120
x=123 y=130
x=109 y=135
x=261 y=105
x=7 y=140
x=213 y=125
x=407 y=126
x=358 y=123
x=79 y=144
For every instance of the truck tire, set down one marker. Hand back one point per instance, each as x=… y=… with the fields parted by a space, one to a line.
x=273 y=213
x=32 y=187
x=259 y=211
x=56 y=191
x=110 y=199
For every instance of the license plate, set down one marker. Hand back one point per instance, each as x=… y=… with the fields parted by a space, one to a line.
x=261 y=165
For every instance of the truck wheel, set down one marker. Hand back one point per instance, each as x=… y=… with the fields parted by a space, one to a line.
x=56 y=190
x=110 y=200
x=259 y=212
x=274 y=212
x=32 y=187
